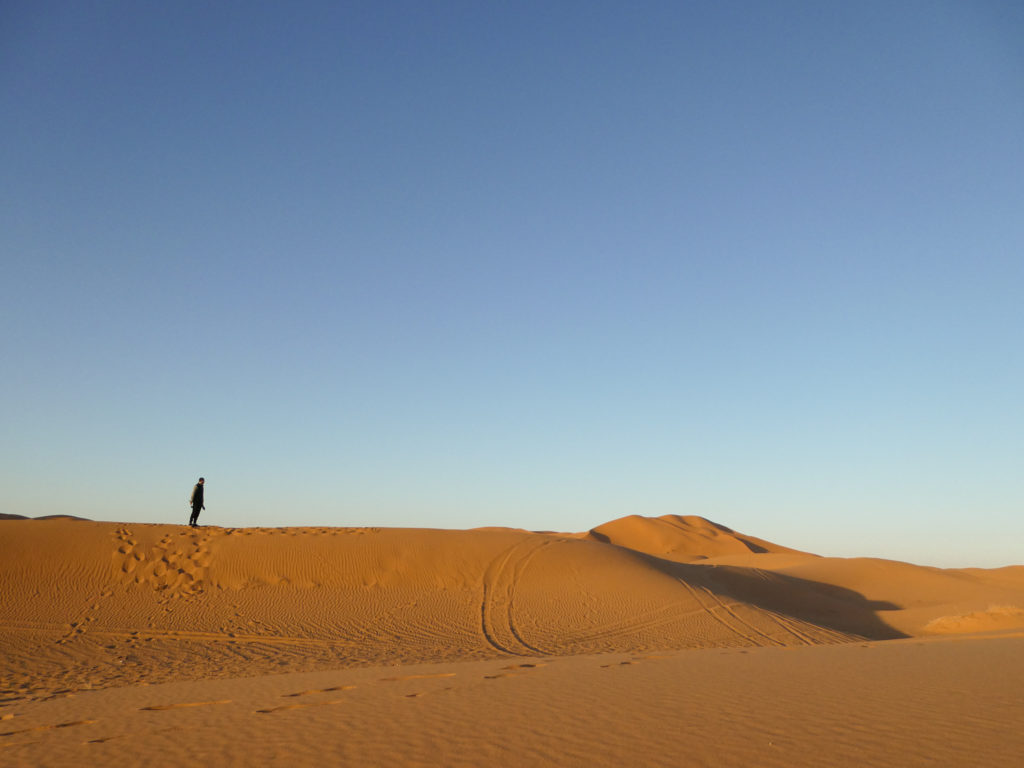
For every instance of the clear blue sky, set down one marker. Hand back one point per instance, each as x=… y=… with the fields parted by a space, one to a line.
x=529 y=264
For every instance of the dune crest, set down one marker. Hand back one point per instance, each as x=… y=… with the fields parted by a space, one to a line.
x=681 y=538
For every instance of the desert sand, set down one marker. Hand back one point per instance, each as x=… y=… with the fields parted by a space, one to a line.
x=668 y=641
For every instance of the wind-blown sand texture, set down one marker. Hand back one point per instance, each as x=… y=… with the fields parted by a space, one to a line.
x=667 y=641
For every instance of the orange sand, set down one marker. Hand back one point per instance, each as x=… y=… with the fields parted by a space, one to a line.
x=669 y=641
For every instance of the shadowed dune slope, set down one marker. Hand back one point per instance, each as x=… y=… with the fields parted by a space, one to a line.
x=912 y=599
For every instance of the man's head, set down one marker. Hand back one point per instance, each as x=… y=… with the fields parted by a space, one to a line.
x=201 y=481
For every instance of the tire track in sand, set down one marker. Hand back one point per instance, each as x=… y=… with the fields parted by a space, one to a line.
x=712 y=611
x=497 y=624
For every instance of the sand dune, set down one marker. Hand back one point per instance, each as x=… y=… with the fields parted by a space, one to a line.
x=680 y=538
x=908 y=598
x=91 y=605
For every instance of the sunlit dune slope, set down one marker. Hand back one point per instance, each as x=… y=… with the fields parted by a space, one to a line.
x=680 y=538
x=88 y=603
x=96 y=604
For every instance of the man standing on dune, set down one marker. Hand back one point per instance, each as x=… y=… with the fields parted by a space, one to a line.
x=197 y=503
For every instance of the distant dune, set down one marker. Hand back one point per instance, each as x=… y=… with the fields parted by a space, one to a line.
x=92 y=605
x=680 y=538
x=7 y=516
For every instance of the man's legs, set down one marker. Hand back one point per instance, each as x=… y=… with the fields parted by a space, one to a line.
x=195 y=516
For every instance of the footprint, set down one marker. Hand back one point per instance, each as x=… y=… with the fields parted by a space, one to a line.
x=416 y=677
x=318 y=690
x=289 y=707
x=164 y=707
x=513 y=670
x=103 y=739
x=48 y=727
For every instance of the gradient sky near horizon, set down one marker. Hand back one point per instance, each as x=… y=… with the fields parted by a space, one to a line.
x=536 y=265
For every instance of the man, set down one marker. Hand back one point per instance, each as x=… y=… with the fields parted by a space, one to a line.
x=197 y=503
